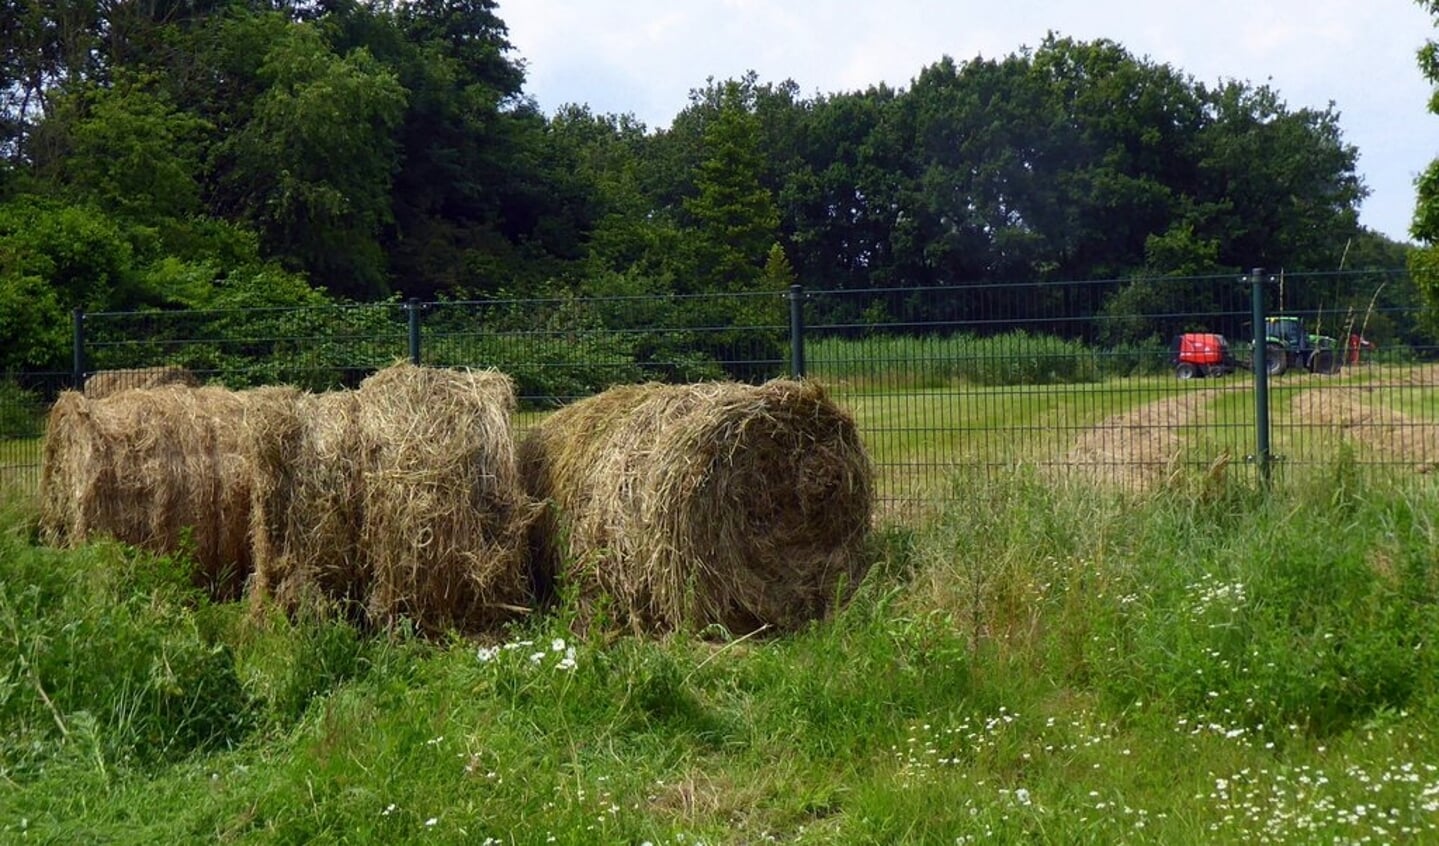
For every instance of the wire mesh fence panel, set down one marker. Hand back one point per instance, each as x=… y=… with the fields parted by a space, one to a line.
x=1360 y=376
x=562 y=349
x=1126 y=383
x=24 y=400
x=1131 y=384
x=310 y=347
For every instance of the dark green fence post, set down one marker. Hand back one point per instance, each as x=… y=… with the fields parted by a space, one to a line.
x=412 y=309
x=1261 y=377
x=77 y=349
x=796 y=331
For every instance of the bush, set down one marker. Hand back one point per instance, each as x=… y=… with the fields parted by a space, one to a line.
x=22 y=415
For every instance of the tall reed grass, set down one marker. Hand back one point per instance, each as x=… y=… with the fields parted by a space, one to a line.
x=1014 y=358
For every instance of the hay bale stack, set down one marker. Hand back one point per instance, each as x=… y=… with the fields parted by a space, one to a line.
x=307 y=503
x=687 y=506
x=152 y=466
x=108 y=382
x=446 y=519
x=399 y=500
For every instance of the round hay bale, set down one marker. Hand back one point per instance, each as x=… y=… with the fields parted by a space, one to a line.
x=107 y=382
x=445 y=522
x=689 y=506
x=160 y=468
x=307 y=503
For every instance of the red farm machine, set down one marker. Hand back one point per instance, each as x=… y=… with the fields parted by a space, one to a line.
x=1199 y=354
x=1287 y=346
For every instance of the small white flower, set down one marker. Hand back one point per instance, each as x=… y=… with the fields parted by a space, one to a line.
x=431 y=821
x=537 y=657
x=557 y=645
x=1021 y=796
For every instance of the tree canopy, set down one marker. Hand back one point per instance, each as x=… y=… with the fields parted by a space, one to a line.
x=161 y=154
x=1424 y=262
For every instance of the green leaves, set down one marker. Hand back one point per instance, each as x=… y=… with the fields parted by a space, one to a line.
x=734 y=216
x=32 y=325
x=128 y=150
x=315 y=163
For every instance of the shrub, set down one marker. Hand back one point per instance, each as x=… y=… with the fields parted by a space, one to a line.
x=21 y=412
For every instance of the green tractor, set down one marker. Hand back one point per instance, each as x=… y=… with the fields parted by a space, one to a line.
x=1288 y=345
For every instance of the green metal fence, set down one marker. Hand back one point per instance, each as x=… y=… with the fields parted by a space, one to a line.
x=1081 y=381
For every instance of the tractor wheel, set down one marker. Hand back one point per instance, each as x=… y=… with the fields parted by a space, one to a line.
x=1185 y=370
x=1324 y=361
x=1276 y=360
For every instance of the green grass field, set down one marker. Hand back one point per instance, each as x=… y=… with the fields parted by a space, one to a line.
x=1037 y=664
x=1194 y=662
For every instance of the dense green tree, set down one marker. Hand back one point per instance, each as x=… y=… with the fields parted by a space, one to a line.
x=1282 y=184
x=840 y=203
x=375 y=147
x=1424 y=262
x=124 y=148
x=312 y=168
x=731 y=216
x=605 y=154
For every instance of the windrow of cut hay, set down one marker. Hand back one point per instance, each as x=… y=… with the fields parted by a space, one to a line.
x=108 y=382
x=401 y=499
x=161 y=468
x=683 y=507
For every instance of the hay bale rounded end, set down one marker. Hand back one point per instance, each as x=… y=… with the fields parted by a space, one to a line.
x=168 y=469
x=691 y=506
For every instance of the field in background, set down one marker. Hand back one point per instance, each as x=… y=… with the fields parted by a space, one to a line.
x=922 y=420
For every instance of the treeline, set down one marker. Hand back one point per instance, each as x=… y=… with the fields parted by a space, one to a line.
x=189 y=154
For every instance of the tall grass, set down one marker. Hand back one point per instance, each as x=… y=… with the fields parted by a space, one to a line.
x=1037 y=664
x=1013 y=358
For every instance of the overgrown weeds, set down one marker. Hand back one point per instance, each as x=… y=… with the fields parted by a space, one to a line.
x=1040 y=663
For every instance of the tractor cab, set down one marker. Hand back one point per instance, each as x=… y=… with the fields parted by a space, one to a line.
x=1289 y=345
x=1288 y=331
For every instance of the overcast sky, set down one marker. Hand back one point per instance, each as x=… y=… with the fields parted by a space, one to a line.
x=642 y=57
